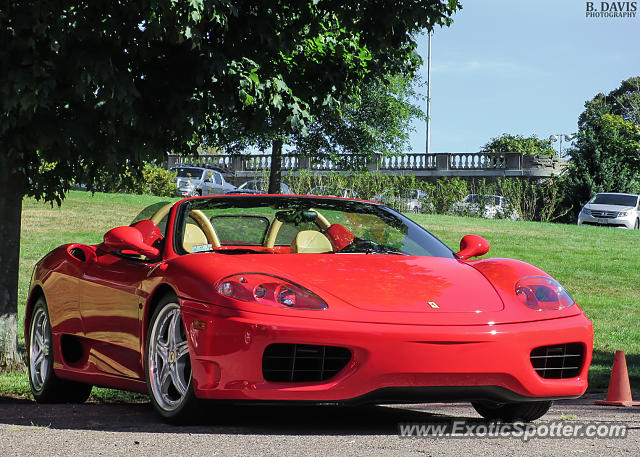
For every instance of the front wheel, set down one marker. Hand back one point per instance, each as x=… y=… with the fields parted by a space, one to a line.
x=46 y=387
x=512 y=412
x=168 y=365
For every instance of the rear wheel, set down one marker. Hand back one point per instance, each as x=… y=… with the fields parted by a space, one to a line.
x=168 y=364
x=512 y=412
x=46 y=387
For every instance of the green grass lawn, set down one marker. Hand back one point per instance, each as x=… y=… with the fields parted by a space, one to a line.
x=600 y=267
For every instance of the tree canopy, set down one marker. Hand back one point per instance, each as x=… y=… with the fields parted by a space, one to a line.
x=517 y=143
x=378 y=121
x=623 y=101
x=606 y=158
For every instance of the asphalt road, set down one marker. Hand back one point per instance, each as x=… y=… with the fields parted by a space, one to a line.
x=28 y=429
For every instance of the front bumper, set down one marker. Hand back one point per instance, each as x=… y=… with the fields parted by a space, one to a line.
x=627 y=222
x=424 y=363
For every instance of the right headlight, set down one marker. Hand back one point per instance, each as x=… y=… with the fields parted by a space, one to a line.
x=586 y=211
x=542 y=293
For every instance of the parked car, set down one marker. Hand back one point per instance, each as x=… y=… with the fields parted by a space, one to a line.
x=487 y=206
x=613 y=210
x=299 y=298
x=333 y=192
x=194 y=181
x=258 y=186
x=405 y=200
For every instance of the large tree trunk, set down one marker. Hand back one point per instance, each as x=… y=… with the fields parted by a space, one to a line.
x=11 y=193
x=276 y=167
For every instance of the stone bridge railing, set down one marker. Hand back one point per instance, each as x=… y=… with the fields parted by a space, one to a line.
x=461 y=164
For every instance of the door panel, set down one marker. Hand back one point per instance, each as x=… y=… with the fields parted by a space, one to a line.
x=110 y=302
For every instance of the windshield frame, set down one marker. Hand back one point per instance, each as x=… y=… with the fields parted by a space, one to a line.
x=439 y=248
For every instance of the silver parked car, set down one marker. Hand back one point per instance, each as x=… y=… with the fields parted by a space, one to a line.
x=487 y=206
x=328 y=191
x=192 y=181
x=613 y=210
x=405 y=200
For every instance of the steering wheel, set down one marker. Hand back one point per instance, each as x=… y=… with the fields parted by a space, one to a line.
x=201 y=219
x=270 y=240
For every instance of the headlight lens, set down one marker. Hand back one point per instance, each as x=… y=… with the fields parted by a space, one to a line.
x=541 y=293
x=586 y=210
x=268 y=290
x=622 y=214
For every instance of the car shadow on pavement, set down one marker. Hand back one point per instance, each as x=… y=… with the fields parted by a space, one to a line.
x=222 y=419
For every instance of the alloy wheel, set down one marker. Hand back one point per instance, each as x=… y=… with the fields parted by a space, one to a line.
x=169 y=363
x=39 y=348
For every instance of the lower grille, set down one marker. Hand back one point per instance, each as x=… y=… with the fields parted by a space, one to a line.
x=303 y=362
x=558 y=361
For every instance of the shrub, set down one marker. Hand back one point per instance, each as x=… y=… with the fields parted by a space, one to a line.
x=151 y=180
x=158 y=181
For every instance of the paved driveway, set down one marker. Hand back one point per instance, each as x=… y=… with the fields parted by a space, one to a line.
x=28 y=429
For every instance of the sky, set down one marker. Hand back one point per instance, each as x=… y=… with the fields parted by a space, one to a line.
x=521 y=67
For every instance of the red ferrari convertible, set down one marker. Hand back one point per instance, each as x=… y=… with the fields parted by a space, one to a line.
x=272 y=298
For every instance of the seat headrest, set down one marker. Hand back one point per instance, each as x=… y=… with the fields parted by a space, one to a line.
x=310 y=242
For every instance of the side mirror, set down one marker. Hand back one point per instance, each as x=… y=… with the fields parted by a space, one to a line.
x=472 y=246
x=129 y=239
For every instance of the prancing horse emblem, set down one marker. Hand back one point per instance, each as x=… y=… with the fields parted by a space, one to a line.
x=433 y=304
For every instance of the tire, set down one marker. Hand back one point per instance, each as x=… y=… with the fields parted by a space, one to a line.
x=46 y=387
x=637 y=225
x=512 y=412
x=168 y=364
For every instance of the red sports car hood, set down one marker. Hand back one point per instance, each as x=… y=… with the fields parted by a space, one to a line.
x=387 y=282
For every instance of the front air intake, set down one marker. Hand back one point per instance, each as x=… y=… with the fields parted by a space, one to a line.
x=559 y=361
x=303 y=362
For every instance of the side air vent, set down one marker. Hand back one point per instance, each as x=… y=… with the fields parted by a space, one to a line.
x=558 y=361
x=303 y=362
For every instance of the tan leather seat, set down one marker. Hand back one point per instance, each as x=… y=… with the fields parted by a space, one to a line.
x=193 y=236
x=310 y=242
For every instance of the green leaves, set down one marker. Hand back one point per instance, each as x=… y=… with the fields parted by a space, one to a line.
x=91 y=86
x=517 y=143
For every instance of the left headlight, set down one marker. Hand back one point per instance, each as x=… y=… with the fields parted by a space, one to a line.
x=265 y=289
x=541 y=293
x=622 y=214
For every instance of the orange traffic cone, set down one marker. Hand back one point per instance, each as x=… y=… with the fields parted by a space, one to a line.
x=619 y=393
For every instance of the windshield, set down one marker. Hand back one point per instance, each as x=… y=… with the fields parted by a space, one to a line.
x=188 y=172
x=615 y=199
x=285 y=224
x=253 y=185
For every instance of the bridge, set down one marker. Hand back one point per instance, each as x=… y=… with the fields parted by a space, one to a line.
x=422 y=165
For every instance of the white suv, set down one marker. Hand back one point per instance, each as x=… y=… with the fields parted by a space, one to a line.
x=613 y=210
